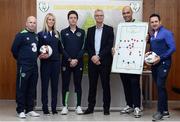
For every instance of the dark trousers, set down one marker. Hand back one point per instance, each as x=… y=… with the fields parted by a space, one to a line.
x=26 y=82
x=77 y=78
x=50 y=71
x=94 y=72
x=131 y=89
x=160 y=73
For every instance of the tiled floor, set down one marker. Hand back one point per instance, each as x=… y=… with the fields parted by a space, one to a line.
x=8 y=113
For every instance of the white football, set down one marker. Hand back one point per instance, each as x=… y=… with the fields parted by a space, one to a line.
x=46 y=49
x=150 y=57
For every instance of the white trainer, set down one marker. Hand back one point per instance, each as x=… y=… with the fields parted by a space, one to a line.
x=127 y=110
x=78 y=110
x=33 y=114
x=64 y=111
x=22 y=115
x=137 y=112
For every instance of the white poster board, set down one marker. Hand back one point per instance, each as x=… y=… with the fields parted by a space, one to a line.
x=130 y=48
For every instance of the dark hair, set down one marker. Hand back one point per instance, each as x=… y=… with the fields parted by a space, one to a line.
x=72 y=12
x=155 y=15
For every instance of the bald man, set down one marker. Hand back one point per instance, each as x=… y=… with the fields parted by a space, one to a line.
x=24 y=50
x=130 y=81
x=127 y=14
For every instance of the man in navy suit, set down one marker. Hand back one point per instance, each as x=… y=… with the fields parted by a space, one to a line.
x=99 y=42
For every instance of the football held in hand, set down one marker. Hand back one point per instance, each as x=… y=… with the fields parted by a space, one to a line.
x=46 y=49
x=150 y=57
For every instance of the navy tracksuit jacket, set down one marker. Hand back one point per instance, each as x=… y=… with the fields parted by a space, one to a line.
x=50 y=68
x=73 y=48
x=24 y=50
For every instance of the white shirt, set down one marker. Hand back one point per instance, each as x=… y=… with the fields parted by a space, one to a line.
x=155 y=34
x=50 y=33
x=98 y=35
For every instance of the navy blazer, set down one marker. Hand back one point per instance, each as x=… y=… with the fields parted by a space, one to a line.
x=106 y=44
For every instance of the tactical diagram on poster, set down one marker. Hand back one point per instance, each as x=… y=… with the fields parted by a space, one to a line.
x=130 y=48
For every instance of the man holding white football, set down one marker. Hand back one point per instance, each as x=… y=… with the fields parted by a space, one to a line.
x=162 y=43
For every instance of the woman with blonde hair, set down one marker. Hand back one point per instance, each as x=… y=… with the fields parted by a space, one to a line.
x=49 y=64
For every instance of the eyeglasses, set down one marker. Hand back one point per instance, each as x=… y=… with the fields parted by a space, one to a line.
x=99 y=15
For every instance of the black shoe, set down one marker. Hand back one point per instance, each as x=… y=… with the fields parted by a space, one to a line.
x=46 y=112
x=54 y=112
x=88 y=111
x=166 y=114
x=106 y=112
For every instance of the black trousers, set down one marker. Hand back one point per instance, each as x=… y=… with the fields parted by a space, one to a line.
x=50 y=71
x=94 y=72
x=160 y=73
x=77 y=78
x=131 y=89
x=26 y=82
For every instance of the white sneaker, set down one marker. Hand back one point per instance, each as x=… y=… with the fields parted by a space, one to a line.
x=137 y=112
x=127 y=110
x=78 y=110
x=64 y=111
x=33 y=114
x=22 y=115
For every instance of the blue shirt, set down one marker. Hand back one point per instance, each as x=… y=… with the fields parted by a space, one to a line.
x=98 y=36
x=163 y=44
